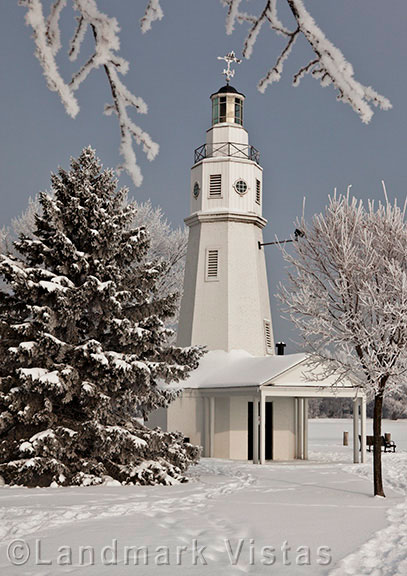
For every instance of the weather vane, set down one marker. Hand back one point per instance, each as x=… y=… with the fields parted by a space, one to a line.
x=229 y=59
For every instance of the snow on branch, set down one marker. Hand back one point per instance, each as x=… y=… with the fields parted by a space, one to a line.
x=328 y=65
x=46 y=43
x=153 y=12
x=105 y=31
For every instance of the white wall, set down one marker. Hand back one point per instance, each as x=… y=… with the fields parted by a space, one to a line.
x=186 y=415
x=227 y=133
x=231 y=170
x=238 y=427
x=222 y=428
x=283 y=429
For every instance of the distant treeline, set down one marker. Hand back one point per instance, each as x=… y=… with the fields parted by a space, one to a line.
x=393 y=408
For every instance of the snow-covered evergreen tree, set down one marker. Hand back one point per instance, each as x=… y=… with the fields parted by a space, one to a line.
x=83 y=344
x=166 y=244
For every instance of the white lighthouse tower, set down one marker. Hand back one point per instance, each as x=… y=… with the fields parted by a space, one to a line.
x=226 y=303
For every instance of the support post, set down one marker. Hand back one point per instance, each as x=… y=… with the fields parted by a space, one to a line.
x=300 y=429
x=207 y=427
x=356 y=430
x=255 y=430
x=262 y=427
x=296 y=427
x=363 y=429
x=305 y=433
x=211 y=426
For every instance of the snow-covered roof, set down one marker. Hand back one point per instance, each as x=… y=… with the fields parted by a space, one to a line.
x=219 y=369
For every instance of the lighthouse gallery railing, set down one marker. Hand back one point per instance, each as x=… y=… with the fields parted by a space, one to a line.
x=233 y=149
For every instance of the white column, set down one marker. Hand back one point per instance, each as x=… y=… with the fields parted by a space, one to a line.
x=363 y=429
x=211 y=426
x=300 y=429
x=296 y=427
x=206 y=426
x=356 y=430
x=305 y=433
x=255 y=430
x=262 y=427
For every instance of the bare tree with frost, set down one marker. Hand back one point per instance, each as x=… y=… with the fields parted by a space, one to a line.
x=347 y=296
x=327 y=64
x=3 y=239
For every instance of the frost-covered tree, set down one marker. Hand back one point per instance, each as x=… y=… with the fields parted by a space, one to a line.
x=84 y=352
x=394 y=405
x=347 y=296
x=328 y=64
x=330 y=407
x=3 y=239
x=166 y=244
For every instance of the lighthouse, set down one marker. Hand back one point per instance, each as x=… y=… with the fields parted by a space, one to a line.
x=225 y=304
x=242 y=401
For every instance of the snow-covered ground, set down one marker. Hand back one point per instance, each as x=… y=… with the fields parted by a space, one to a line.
x=283 y=518
x=385 y=554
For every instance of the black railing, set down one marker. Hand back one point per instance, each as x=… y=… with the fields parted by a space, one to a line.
x=233 y=149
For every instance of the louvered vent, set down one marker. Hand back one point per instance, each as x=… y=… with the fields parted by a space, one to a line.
x=268 y=337
x=258 y=191
x=212 y=264
x=215 y=185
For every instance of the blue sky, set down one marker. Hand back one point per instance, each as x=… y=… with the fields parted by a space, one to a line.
x=309 y=142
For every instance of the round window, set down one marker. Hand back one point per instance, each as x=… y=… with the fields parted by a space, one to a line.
x=196 y=190
x=241 y=187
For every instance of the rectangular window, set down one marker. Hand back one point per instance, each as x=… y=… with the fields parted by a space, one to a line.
x=222 y=109
x=258 y=191
x=215 y=186
x=238 y=111
x=212 y=264
x=215 y=110
x=268 y=336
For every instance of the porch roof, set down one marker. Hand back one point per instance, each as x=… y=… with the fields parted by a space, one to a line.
x=235 y=369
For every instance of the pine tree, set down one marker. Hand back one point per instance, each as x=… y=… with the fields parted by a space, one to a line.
x=166 y=243
x=84 y=353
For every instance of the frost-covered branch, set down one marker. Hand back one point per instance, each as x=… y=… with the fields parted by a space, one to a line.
x=152 y=13
x=328 y=64
x=105 y=55
x=45 y=49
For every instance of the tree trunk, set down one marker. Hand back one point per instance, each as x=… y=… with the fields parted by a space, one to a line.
x=377 y=448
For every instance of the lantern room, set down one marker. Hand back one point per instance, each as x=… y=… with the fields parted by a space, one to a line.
x=227 y=106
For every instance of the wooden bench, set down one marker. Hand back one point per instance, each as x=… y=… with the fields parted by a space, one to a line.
x=389 y=446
